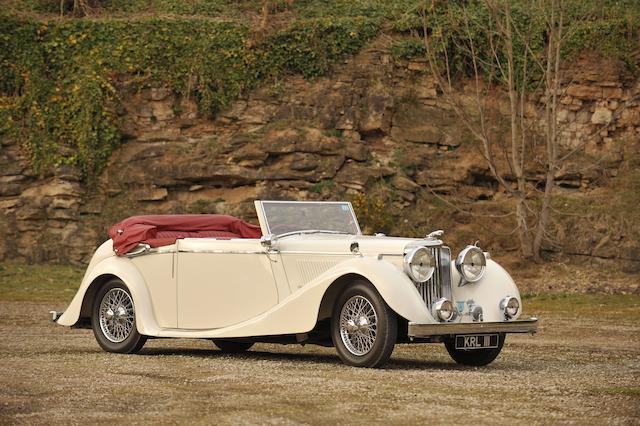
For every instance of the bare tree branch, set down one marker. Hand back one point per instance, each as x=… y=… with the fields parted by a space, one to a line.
x=511 y=59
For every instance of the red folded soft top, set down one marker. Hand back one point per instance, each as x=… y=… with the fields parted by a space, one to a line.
x=162 y=230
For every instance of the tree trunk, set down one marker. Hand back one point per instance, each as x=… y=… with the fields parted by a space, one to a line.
x=552 y=87
x=524 y=235
x=265 y=14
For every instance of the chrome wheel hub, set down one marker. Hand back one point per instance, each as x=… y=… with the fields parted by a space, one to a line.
x=116 y=315
x=358 y=325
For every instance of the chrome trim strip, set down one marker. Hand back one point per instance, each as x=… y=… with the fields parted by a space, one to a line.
x=381 y=255
x=445 y=259
x=312 y=232
x=323 y=253
x=264 y=216
x=520 y=326
x=223 y=251
x=139 y=250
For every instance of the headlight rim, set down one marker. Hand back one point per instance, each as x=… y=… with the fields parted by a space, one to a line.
x=407 y=264
x=460 y=263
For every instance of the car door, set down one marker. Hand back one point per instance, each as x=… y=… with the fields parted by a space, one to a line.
x=158 y=271
x=222 y=282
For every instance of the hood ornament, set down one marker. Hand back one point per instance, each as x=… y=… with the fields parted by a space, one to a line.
x=435 y=235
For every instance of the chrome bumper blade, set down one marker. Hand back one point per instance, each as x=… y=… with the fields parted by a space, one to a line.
x=519 y=326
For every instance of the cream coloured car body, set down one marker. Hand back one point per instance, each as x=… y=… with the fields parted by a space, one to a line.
x=211 y=288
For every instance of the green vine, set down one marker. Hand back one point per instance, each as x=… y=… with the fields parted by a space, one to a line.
x=610 y=27
x=58 y=77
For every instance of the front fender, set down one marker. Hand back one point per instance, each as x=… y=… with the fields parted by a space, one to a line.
x=495 y=285
x=395 y=287
x=126 y=271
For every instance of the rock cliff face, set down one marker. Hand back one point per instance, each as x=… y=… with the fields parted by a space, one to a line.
x=376 y=126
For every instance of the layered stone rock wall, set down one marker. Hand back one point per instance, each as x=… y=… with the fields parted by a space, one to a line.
x=374 y=123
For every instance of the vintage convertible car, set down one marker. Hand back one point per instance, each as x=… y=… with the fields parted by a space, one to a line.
x=305 y=275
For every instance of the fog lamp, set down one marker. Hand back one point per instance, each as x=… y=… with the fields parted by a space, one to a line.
x=444 y=310
x=510 y=306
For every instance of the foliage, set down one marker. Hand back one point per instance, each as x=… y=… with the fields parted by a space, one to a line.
x=189 y=7
x=610 y=27
x=8 y=111
x=203 y=206
x=324 y=186
x=368 y=8
x=61 y=76
x=408 y=48
x=372 y=211
x=234 y=9
x=310 y=47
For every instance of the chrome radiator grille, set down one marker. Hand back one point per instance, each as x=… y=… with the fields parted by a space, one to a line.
x=439 y=285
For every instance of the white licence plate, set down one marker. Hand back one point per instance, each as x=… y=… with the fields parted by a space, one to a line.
x=477 y=341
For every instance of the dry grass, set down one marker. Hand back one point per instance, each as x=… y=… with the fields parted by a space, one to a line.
x=38 y=283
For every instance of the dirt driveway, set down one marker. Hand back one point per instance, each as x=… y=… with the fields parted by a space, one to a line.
x=576 y=370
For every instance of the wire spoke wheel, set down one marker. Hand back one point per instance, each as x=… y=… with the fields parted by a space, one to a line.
x=116 y=315
x=113 y=319
x=358 y=325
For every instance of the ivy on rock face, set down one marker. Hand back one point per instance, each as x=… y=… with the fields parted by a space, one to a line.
x=57 y=77
x=609 y=27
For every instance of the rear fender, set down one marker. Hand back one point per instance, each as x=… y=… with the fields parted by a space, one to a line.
x=124 y=269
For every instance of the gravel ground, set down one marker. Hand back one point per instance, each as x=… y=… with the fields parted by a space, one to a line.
x=574 y=370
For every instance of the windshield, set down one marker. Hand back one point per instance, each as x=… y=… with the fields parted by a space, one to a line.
x=282 y=217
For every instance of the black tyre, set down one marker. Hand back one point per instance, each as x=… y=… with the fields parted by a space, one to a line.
x=475 y=357
x=232 y=346
x=363 y=328
x=113 y=319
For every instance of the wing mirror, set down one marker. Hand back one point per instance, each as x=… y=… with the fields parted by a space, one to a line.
x=267 y=241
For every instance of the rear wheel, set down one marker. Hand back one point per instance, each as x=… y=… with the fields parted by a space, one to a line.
x=476 y=357
x=363 y=328
x=114 y=319
x=232 y=346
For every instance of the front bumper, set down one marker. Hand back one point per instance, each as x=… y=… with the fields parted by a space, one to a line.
x=449 y=329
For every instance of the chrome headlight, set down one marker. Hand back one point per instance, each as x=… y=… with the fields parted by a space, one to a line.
x=419 y=264
x=471 y=263
x=443 y=310
x=510 y=306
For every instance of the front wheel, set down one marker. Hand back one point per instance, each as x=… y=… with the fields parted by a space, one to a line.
x=114 y=319
x=475 y=357
x=363 y=328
